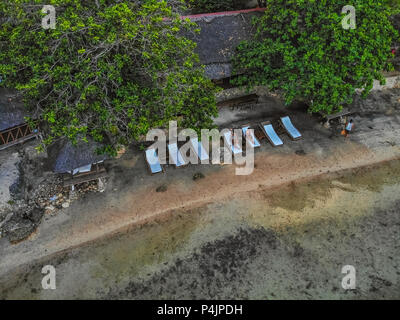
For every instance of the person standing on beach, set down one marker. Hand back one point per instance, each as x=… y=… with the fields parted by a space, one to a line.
x=348 y=128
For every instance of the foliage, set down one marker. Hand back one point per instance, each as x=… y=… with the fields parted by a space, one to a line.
x=395 y=5
x=207 y=6
x=111 y=70
x=301 y=49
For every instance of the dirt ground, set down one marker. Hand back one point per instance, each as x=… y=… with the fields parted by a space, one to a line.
x=132 y=201
x=288 y=243
x=8 y=176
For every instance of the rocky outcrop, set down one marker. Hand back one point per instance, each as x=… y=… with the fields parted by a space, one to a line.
x=22 y=224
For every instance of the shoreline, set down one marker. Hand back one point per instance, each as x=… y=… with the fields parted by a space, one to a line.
x=169 y=212
x=132 y=199
x=119 y=265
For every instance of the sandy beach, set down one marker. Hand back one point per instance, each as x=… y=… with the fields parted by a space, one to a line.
x=287 y=243
x=131 y=201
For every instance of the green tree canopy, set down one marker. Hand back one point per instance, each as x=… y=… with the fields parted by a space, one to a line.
x=301 y=49
x=395 y=5
x=110 y=70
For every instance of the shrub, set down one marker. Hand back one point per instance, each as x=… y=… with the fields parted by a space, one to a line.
x=301 y=49
x=207 y=6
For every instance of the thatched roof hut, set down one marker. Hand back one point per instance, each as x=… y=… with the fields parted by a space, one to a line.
x=64 y=157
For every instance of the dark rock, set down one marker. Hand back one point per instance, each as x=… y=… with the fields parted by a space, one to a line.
x=15 y=189
x=22 y=224
x=35 y=215
x=162 y=188
x=19 y=231
x=197 y=176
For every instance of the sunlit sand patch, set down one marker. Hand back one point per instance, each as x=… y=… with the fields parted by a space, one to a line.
x=299 y=205
x=154 y=243
x=129 y=163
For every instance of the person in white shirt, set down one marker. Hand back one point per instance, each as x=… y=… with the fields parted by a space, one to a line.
x=348 y=128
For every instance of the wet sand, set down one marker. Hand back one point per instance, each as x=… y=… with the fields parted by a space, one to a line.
x=290 y=243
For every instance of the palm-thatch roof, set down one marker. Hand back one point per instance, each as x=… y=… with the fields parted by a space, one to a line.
x=220 y=34
x=12 y=112
x=65 y=157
